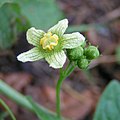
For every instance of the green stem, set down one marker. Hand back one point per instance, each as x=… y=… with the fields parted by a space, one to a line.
x=63 y=75
x=8 y=109
x=14 y=95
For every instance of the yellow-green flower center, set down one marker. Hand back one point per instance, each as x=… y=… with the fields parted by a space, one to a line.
x=49 y=41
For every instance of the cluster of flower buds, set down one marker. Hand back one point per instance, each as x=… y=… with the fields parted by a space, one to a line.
x=83 y=55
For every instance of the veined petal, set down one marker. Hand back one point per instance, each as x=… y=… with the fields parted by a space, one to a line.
x=59 y=28
x=32 y=55
x=57 y=59
x=72 y=40
x=34 y=36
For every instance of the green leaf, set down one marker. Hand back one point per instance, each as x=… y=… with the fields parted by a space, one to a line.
x=2 y=2
x=118 y=54
x=8 y=109
x=109 y=105
x=42 y=115
x=41 y=14
x=11 y=24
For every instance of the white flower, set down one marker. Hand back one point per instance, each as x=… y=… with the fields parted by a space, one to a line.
x=51 y=45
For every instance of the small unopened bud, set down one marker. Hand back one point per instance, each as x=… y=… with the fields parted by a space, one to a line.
x=83 y=63
x=75 y=54
x=91 y=52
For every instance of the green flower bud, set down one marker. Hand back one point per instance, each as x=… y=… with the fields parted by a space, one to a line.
x=83 y=63
x=91 y=52
x=75 y=54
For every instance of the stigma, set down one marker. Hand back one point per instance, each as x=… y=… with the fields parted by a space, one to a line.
x=49 y=41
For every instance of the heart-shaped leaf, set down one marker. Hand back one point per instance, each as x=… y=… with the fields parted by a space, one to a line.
x=109 y=105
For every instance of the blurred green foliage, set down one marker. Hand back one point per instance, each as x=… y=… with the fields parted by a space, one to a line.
x=27 y=102
x=41 y=14
x=42 y=115
x=16 y=16
x=5 y=1
x=109 y=105
x=3 y=115
x=118 y=54
x=84 y=27
x=11 y=24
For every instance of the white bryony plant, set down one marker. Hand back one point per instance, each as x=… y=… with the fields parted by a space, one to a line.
x=51 y=45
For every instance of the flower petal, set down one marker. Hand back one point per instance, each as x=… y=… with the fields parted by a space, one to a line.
x=34 y=36
x=72 y=40
x=57 y=59
x=60 y=27
x=32 y=55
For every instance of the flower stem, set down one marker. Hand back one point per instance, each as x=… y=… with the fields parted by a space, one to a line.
x=63 y=75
